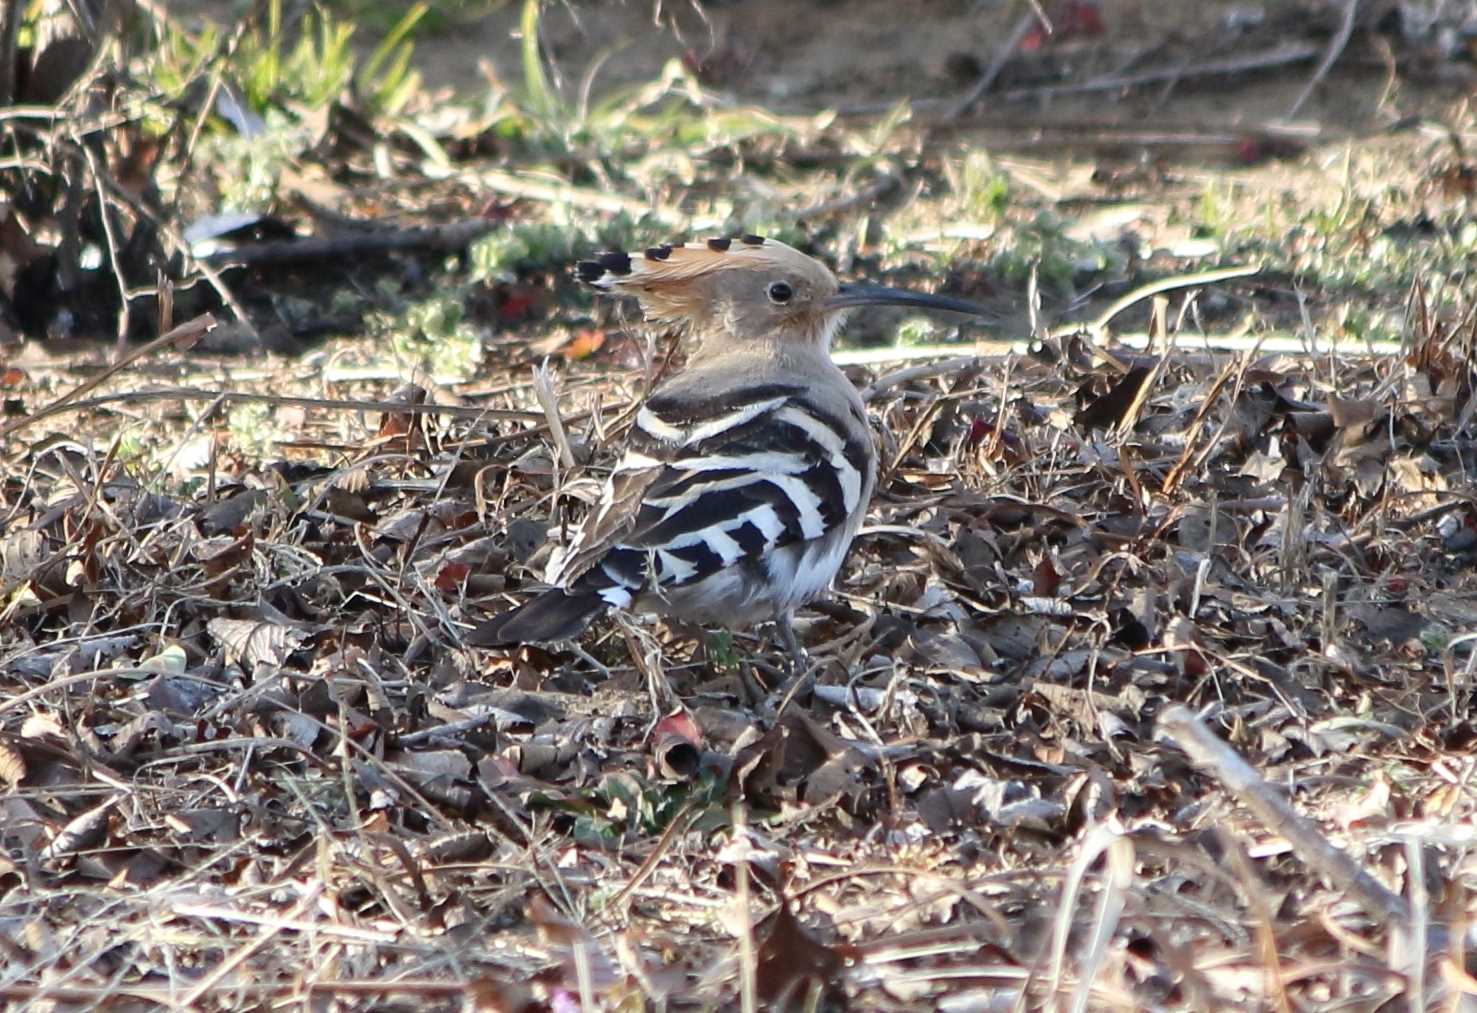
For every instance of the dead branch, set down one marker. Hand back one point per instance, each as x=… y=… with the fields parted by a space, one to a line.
x=1218 y=760
x=435 y=238
x=1331 y=54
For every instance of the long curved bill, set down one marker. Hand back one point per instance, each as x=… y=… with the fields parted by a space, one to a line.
x=880 y=295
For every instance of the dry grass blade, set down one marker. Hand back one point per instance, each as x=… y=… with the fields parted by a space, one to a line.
x=543 y=388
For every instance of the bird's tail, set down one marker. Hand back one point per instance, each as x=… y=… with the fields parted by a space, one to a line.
x=553 y=615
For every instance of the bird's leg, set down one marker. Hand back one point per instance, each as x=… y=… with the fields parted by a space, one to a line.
x=801 y=676
x=784 y=621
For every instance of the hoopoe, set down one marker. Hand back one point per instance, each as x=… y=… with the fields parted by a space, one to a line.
x=748 y=472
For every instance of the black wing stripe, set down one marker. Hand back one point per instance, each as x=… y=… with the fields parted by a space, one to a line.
x=623 y=566
x=715 y=510
x=831 y=495
x=681 y=410
x=750 y=539
x=701 y=557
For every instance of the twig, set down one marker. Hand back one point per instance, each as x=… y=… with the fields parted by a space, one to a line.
x=271 y=929
x=1002 y=57
x=1256 y=901
x=275 y=922
x=63 y=682
x=680 y=824
x=1216 y=759
x=1118 y=877
x=33 y=112
x=183 y=336
x=1095 y=326
x=912 y=353
x=143 y=210
x=449 y=730
x=105 y=213
x=748 y=958
x=66 y=403
x=453 y=236
x=1336 y=46
x=865 y=195
x=900 y=376
x=559 y=192
x=1277 y=57
x=100 y=995
x=1275 y=342
x=11 y=17
x=1234 y=368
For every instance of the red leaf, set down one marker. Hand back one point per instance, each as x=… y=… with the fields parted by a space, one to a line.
x=451 y=576
x=1045 y=579
x=1084 y=19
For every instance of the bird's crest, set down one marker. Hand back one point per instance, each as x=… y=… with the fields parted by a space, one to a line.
x=687 y=283
x=674 y=263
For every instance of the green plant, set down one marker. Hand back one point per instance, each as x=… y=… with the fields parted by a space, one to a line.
x=386 y=82
x=306 y=66
x=251 y=429
x=983 y=190
x=433 y=333
x=180 y=57
x=499 y=256
x=1212 y=213
x=248 y=168
x=1058 y=259
x=311 y=73
x=720 y=650
x=916 y=330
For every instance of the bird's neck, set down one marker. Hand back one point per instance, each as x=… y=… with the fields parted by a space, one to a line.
x=779 y=352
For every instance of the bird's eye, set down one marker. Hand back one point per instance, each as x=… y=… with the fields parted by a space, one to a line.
x=780 y=293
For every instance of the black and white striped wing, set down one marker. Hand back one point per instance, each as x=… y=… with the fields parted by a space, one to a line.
x=714 y=483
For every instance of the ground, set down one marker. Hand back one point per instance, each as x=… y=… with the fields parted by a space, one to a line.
x=1147 y=684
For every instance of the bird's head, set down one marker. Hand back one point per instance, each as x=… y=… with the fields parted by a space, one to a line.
x=745 y=289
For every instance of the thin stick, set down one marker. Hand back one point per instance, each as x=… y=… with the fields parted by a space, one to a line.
x=748 y=962
x=900 y=376
x=997 y=64
x=173 y=234
x=1336 y=46
x=163 y=994
x=1153 y=288
x=66 y=403
x=105 y=213
x=183 y=336
x=244 y=953
x=1234 y=368
x=680 y=824
x=1216 y=759
x=865 y=195
x=377 y=240
x=557 y=191
x=1276 y=57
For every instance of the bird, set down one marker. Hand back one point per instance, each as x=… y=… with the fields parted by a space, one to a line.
x=746 y=474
